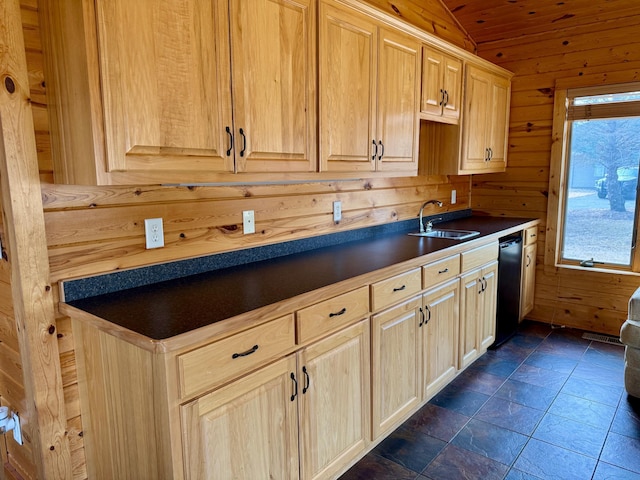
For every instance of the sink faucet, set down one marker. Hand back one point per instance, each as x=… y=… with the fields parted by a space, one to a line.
x=428 y=202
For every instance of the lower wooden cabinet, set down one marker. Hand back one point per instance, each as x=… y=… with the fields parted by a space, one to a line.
x=440 y=333
x=477 y=312
x=248 y=429
x=396 y=348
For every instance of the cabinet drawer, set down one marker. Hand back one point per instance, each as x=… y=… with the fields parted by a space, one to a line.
x=530 y=235
x=440 y=271
x=213 y=364
x=479 y=256
x=332 y=314
x=389 y=291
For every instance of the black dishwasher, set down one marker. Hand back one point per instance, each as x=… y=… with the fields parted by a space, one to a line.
x=509 y=273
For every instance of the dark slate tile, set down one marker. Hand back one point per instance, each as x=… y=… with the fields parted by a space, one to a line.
x=541 y=377
x=562 y=347
x=515 y=474
x=548 y=361
x=554 y=463
x=626 y=422
x=534 y=329
x=410 y=448
x=570 y=335
x=526 y=394
x=510 y=415
x=604 y=358
x=465 y=402
x=456 y=463
x=373 y=466
x=584 y=411
x=591 y=390
x=604 y=471
x=490 y=363
x=512 y=352
x=575 y=436
x=491 y=441
x=622 y=451
x=608 y=348
x=478 y=381
x=606 y=376
x=525 y=339
x=437 y=422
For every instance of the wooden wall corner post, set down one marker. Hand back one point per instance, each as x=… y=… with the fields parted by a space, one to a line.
x=28 y=258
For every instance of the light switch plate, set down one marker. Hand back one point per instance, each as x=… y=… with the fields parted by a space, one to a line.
x=154 y=232
x=337 y=211
x=454 y=198
x=248 y=222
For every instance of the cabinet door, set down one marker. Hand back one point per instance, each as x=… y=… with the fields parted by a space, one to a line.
x=476 y=117
x=274 y=78
x=165 y=85
x=453 y=88
x=528 y=279
x=498 y=128
x=441 y=337
x=396 y=364
x=487 y=313
x=441 y=85
x=247 y=429
x=398 y=102
x=470 y=302
x=432 y=82
x=348 y=64
x=334 y=401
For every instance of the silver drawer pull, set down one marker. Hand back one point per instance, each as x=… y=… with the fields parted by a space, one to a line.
x=337 y=314
x=244 y=354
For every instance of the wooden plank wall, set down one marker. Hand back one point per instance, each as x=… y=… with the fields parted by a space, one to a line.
x=608 y=52
x=93 y=230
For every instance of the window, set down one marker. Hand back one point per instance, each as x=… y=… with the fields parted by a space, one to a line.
x=597 y=206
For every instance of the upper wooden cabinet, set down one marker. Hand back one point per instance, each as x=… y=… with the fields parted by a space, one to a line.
x=441 y=86
x=139 y=97
x=369 y=94
x=485 y=127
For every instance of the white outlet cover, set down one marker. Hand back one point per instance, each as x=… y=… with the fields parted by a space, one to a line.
x=337 y=211
x=454 y=198
x=248 y=222
x=154 y=232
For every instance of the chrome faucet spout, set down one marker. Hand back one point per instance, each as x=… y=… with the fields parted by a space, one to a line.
x=428 y=202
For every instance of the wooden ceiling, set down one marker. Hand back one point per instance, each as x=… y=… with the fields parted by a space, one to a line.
x=492 y=20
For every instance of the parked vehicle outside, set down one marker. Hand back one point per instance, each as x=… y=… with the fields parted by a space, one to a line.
x=628 y=179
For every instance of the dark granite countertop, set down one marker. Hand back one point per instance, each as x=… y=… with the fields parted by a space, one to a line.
x=166 y=309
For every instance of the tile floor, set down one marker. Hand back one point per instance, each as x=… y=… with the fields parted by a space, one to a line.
x=545 y=405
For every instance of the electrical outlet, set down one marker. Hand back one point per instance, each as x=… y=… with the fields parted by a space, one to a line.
x=453 y=197
x=248 y=222
x=154 y=232
x=337 y=211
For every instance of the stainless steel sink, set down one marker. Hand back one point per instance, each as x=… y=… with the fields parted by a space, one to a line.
x=447 y=233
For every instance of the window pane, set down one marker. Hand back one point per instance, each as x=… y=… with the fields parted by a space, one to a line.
x=600 y=207
x=607 y=98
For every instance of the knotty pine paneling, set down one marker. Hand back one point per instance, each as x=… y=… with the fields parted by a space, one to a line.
x=90 y=237
x=602 y=53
